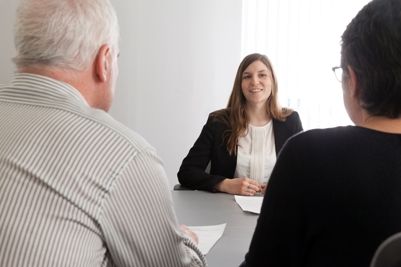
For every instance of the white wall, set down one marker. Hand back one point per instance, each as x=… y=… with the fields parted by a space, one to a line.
x=177 y=63
x=7 y=10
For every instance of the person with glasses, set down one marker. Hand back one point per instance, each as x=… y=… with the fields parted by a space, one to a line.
x=335 y=194
x=241 y=141
x=338 y=72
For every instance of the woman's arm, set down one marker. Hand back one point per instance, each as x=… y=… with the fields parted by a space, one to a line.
x=192 y=172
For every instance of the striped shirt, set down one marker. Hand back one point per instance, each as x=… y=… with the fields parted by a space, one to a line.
x=77 y=188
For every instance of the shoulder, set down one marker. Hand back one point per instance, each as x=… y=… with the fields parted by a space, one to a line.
x=125 y=152
x=324 y=140
x=220 y=114
x=220 y=117
x=290 y=114
x=289 y=120
x=112 y=132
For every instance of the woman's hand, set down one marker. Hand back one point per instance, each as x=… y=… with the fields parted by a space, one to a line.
x=240 y=186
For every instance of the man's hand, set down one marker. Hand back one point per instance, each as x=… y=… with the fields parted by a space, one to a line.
x=189 y=233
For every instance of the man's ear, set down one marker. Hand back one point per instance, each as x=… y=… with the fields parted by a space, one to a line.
x=102 y=63
x=352 y=82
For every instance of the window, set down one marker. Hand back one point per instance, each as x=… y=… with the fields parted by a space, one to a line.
x=302 y=39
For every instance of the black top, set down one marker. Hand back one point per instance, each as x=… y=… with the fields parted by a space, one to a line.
x=211 y=146
x=333 y=197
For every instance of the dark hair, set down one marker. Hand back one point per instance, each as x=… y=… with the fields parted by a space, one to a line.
x=238 y=120
x=371 y=46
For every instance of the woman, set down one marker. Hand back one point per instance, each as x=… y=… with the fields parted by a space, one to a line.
x=335 y=194
x=241 y=141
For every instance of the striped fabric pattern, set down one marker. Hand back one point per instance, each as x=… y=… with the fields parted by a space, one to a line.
x=77 y=188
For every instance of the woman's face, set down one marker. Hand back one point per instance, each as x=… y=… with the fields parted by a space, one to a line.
x=256 y=83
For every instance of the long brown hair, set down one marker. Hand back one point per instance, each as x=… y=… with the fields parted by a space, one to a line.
x=235 y=114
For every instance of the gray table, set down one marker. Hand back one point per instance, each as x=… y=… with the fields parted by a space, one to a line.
x=203 y=208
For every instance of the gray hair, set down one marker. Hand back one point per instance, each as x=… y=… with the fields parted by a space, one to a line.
x=63 y=33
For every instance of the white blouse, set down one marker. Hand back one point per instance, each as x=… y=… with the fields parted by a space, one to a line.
x=256 y=154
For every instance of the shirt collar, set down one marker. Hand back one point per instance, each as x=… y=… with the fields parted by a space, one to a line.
x=45 y=85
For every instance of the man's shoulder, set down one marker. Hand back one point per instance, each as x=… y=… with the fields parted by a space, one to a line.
x=118 y=132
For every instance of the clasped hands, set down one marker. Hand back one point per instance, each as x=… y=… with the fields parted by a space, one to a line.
x=241 y=186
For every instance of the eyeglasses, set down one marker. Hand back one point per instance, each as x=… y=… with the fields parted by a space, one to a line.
x=338 y=72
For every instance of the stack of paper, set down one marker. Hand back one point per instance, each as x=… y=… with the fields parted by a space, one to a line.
x=251 y=204
x=208 y=235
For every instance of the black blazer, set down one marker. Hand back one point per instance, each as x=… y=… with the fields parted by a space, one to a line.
x=212 y=147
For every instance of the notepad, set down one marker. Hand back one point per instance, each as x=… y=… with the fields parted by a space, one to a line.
x=250 y=204
x=208 y=235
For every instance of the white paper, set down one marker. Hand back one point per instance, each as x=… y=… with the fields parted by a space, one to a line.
x=208 y=235
x=251 y=204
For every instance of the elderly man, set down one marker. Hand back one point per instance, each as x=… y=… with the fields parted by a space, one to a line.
x=77 y=188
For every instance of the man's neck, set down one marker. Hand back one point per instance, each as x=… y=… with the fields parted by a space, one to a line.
x=76 y=79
